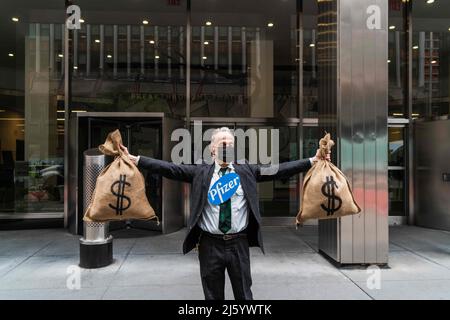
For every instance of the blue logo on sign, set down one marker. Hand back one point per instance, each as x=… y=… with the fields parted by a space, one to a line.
x=224 y=188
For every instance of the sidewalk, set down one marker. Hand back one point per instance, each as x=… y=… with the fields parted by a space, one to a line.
x=33 y=265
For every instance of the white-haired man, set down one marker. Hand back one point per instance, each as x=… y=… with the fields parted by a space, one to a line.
x=223 y=232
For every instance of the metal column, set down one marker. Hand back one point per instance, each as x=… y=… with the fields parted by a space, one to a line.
x=353 y=85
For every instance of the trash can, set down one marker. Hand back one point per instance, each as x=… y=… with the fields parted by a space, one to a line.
x=96 y=245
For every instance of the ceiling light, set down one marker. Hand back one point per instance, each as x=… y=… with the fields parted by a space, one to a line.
x=430 y=1
x=11 y=54
x=152 y=41
x=391 y=27
x=97 y=40
x=208 y=23
x=206 y=43
x=270 y=24
x=109 y=56
x=204 y=58
x=15 y=19
x=156 y=57
x=312 y=45
x=389 y=61
x=415 y=47
x=144 y=21
x=81 y=20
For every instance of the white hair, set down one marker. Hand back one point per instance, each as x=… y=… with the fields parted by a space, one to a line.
x=220 y=130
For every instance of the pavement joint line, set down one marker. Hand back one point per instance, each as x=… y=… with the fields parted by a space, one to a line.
x=345 y=276
x=118 y=269
x=422 y=256
x=340 y=271
x=356 y=284
x=27 y=258
x=419 y=280
x=293 y=231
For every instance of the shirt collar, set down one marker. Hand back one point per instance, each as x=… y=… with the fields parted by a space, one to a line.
x=217 y=167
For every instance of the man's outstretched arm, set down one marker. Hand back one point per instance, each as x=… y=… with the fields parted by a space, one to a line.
x=286 y=169
x=181 y=172
x=283 y=170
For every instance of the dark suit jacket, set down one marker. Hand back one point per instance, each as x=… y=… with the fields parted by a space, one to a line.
x=199 y=176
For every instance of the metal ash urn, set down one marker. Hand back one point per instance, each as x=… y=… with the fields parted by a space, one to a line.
x=96 y=245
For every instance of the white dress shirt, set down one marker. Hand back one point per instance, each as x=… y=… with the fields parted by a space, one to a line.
x=209 y=220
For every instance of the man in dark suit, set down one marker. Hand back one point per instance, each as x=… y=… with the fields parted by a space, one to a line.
x=223 y=233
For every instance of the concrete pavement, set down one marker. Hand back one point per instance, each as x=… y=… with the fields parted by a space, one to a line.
x=35 y=264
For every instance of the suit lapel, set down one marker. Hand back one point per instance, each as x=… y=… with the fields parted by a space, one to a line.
x=238 y=170
x=207 y=177
x=251 y=198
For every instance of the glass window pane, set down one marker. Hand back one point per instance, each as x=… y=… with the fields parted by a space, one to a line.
x=244 y=59
x=310 y=141
x=309 y=63
x=396 y=180
x=31 y=128
x=431 y=59
x=396 y=148
x=397 y=59
x=130 y=57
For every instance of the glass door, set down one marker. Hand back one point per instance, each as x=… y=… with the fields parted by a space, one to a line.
x=396 y=170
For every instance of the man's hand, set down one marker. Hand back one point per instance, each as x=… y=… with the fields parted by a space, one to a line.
x=125 y=151
x=318 y=156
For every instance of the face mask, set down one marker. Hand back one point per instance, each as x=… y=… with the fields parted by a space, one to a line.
x=225 y=153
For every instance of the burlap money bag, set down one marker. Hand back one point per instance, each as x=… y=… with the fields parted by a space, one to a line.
x=120 y=188
x=326 y=191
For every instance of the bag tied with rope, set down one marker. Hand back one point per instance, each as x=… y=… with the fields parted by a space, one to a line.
x=326 y=190
x=120 y=188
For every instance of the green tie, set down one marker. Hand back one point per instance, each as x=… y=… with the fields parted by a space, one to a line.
x=225 y=210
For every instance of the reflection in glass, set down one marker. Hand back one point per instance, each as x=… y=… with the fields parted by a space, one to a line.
x=396 y=180
x=431 y=62
x=123 y=64
x=31 y=128
x=244 y=61
x=310 y=141
x=396 y=150
x=397 y=59
x=309 y=64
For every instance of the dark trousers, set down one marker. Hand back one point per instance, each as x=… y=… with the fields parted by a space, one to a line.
x=216 y=255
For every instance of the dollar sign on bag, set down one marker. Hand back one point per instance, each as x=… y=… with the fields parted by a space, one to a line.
x=334 y=202
x=120 y=195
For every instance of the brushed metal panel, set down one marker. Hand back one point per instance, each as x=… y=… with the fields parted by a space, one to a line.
x=358 y=121
x=382 y=201
x=327 y=63
x=359 y=109
x=369 y=218
x=345 y=130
